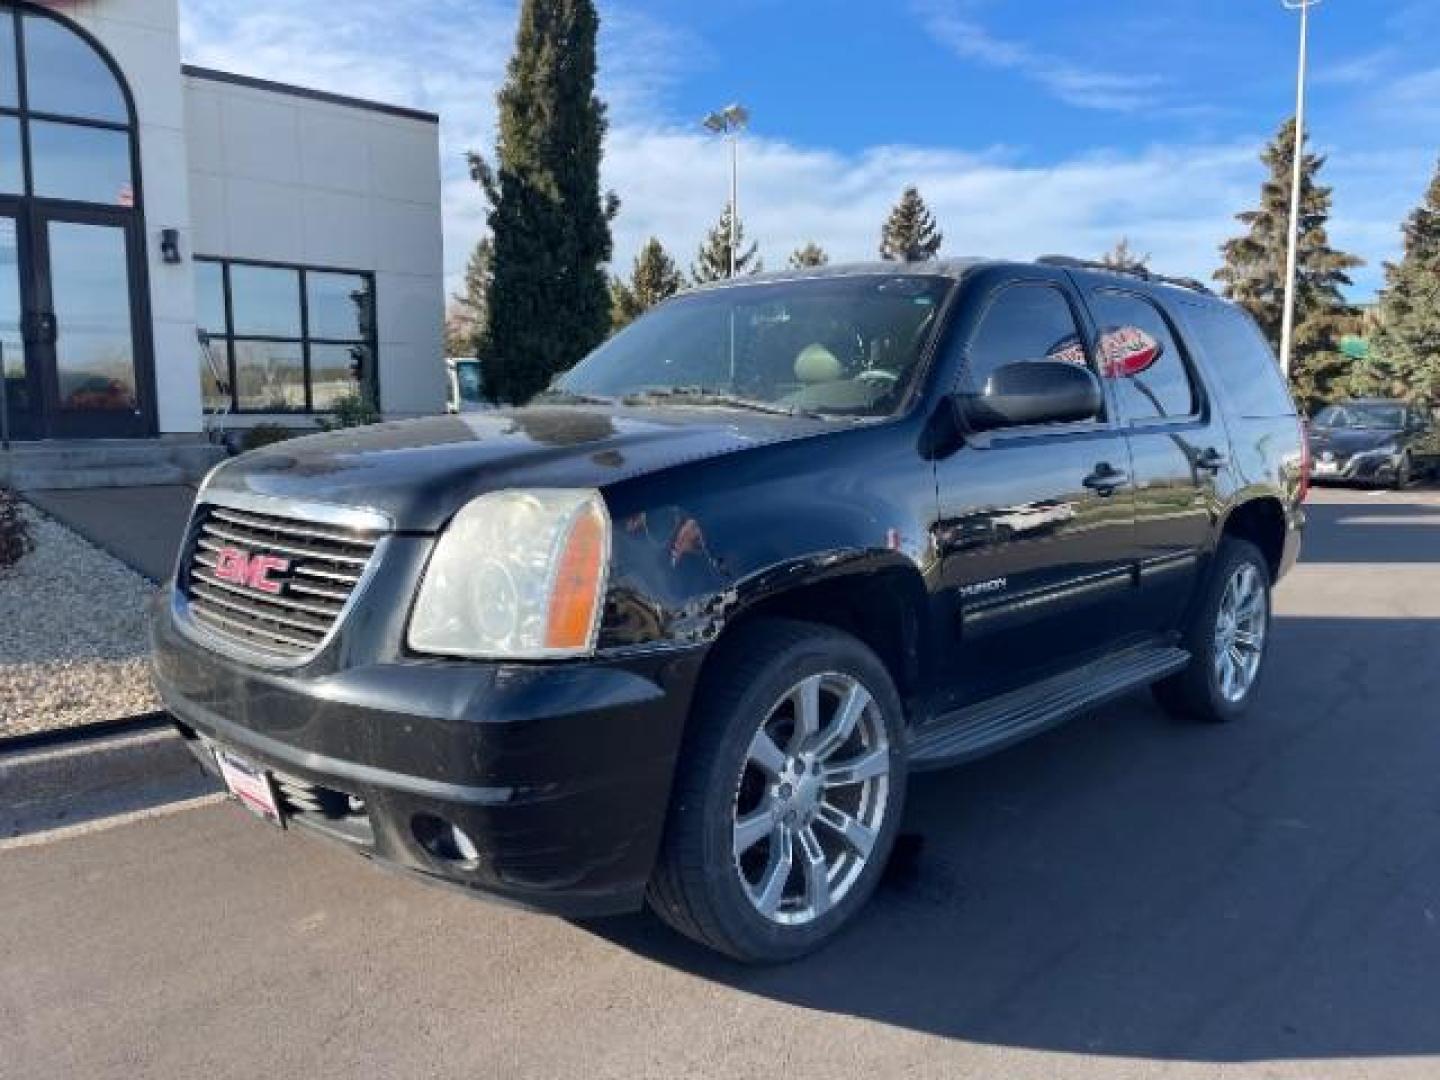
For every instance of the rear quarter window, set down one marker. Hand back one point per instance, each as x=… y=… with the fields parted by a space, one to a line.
x=1239 y=359
x=1142 y=359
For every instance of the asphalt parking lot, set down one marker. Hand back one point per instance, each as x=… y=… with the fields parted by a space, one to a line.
x=1127 y=896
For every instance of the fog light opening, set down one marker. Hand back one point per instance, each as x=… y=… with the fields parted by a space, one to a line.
x=445 y=841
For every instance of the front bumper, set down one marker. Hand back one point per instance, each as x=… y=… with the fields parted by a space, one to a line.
x=1367 y=467
x=559 y=773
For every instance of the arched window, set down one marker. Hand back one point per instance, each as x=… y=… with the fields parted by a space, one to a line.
x=66 y=124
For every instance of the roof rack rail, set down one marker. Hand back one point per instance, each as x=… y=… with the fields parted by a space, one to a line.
x=1141 y=272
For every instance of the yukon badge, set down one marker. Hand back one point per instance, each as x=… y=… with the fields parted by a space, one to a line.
x=982 y=588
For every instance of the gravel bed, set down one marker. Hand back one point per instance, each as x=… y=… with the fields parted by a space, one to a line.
x=72 y=635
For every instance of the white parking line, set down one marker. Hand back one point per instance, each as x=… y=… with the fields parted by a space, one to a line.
x=85 y=828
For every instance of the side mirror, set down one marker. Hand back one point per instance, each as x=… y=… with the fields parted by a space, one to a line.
x=1032 y=392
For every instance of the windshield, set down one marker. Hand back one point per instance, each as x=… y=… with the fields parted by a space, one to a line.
x=843 y=345
x=1376 y=417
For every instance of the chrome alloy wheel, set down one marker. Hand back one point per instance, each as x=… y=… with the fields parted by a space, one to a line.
x=811 y=798
x=1240 y=632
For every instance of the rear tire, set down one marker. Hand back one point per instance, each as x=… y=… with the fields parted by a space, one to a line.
x=771 y=846
x=1227 y=636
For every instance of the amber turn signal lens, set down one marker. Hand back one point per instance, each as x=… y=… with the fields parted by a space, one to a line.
x=575 y=598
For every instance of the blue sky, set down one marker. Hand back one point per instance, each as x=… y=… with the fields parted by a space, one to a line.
x=1034 y=126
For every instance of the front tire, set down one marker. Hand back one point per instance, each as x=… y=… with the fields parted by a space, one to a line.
x=1404 y=471
x=788 y=794
x=1227 y=638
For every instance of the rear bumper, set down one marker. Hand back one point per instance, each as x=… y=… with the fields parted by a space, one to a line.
x=559 y=774
x=1290 y=550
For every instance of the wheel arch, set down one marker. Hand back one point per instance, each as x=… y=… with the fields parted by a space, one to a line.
x=877 y=597
x=1261 y=521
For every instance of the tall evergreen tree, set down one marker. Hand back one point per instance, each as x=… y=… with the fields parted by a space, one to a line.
x=810 y=254
x=909 y=233
x=469 y=313
x=549 y=297
x=1123 y=257
x=1253 y=273
x=712 y=261
x=459 y=331
x=653 y=277
x=1405 y=351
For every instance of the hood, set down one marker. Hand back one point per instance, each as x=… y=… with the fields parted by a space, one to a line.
x=420 y=472
x=1346 y=441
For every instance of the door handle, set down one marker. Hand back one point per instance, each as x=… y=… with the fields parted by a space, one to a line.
x=1211 y=460
x=1106 y=479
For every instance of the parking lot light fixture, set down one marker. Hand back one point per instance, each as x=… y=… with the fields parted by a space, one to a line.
x=729 y=122
x=1287 y=318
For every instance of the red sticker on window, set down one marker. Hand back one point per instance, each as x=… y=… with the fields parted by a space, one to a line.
x=1126 y=351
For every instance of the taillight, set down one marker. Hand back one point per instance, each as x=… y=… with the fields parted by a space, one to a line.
x=1304 y=486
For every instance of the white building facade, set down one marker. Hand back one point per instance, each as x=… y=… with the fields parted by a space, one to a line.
x=176 y=240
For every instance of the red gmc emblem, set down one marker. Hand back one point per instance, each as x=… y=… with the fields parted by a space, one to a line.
x=239 y=568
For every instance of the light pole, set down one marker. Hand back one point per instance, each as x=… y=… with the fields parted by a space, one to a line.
x=730 y=122
x=1287 y=316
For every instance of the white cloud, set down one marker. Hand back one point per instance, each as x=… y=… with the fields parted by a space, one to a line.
x=951 y=23
x=1176 y=201
x=1359 y=70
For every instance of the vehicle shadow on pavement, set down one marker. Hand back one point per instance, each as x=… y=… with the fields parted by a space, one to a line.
x=1136 y=886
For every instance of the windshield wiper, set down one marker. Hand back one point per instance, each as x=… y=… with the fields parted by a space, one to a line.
x=698 y=395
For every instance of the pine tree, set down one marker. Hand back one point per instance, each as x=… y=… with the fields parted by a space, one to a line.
x=459 y=330
x=712 y=261
x=1123 y=257
x=811 y=254
x=1254 y=272
x=909 y=233
x=468 y=314
x=549 y=298
x=653 y=277
x=1405 y=352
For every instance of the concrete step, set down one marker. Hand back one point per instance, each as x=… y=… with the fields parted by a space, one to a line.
x=100 y=455
x=197 y=459
x=103 y=463
x=39 y=478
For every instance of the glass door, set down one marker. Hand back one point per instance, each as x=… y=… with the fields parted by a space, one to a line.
x=84 y=325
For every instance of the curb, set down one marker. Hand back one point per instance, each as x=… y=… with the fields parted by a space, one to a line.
x=99 y=729
x=69 y=781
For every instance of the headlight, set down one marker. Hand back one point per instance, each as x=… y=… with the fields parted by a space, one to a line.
x=516 y=575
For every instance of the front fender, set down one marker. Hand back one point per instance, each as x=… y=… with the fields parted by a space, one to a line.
x=698 y=546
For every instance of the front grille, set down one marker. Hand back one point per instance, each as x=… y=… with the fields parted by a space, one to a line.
x=322 y=566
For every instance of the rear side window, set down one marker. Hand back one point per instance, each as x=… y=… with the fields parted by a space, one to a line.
x=1240 y=360
x=1142 y=359
x=1023 y=322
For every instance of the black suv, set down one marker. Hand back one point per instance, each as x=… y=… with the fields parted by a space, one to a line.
x=677 y=632
x=1373 y=441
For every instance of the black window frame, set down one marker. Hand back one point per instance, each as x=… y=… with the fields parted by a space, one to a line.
x=23 y=114
x=370 y=380
x=1199 y=392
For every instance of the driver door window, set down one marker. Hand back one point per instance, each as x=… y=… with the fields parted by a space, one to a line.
x=1024 y=322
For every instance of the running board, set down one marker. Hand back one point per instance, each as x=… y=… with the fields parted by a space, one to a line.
x=981 y=729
